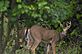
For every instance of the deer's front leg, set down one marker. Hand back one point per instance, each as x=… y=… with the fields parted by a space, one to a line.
x=48 y=49
x=53 y=47
x=33 y=48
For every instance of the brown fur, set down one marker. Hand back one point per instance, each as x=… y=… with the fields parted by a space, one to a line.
x=39 y=34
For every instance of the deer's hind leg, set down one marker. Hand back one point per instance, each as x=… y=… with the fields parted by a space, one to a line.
x=34 y=46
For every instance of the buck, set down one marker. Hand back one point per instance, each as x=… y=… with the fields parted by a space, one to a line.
x=37 y=34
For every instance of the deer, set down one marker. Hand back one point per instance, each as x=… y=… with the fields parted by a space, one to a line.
x=37 y=34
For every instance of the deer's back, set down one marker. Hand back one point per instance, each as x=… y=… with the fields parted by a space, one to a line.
x=43 y=33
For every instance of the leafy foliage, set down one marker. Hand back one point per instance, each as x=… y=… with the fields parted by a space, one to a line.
x=4 y=5
x=46 y=13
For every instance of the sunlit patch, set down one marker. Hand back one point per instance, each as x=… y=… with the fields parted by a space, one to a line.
x=20 y=40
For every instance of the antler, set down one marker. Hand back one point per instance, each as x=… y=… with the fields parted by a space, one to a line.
x=68 y=25
x=60 y=24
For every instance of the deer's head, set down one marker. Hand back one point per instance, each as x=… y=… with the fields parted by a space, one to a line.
x=65 y=29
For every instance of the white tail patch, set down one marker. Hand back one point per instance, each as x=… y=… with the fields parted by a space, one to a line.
x=25 y=31
x=28 y=30
x=28 y=34
x=28 y=38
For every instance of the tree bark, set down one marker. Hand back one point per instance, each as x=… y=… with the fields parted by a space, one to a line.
x=4 y=32
x=1 y=32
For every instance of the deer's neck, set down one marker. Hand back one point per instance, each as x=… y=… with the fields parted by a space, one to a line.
x=62 y=35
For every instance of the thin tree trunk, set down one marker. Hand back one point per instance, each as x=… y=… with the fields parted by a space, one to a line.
x=16 y=46
x=1 y=32
x=5 y=32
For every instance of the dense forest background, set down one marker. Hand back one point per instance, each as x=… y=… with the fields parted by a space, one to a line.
x=16 y=14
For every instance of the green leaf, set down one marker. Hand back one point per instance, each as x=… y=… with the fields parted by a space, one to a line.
x=19 y=6
x=3 y=5
x=18 y=0
x=41 y=4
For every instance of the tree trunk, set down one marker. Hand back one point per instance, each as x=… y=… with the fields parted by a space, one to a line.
x=4 y=32
x=1 y=33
